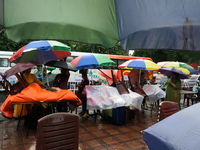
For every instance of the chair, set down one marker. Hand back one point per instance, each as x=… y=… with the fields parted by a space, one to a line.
x=58 y=131
x=189 y=96
x=167 y=108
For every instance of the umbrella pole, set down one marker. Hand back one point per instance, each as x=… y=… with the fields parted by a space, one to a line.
x=139 y=75
x=105 y=75
x=46 y=75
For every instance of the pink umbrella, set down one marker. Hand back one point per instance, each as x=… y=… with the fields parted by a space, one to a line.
x=19 y=68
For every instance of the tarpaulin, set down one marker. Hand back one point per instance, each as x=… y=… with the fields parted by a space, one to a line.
x=179 y=131
x=34 y=93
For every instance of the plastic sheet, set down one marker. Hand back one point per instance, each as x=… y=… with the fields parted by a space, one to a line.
x=106 y=97
x=154 y=92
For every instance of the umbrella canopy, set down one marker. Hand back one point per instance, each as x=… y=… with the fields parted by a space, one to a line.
x=19 y=68
x=140 y=64
x=41 y=52
x=172 y=24
x=62 y=64
x=92 y=61
x=179 y=65
x=168 y=71
x=179 y=131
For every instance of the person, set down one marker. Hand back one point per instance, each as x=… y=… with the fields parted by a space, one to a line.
x=30 y=79
x=173 y=89
x=167 y=82
x=61 y=80
x=143 y=81
x=82 y=96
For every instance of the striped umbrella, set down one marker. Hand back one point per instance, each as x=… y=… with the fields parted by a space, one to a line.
x=41 y=52
x=140 y=64
x=185 y=68
x=92 y=61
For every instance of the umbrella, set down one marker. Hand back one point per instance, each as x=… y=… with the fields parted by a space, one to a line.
x=140 y=64
x=168 y=71
x=92 y=61
x=61 y=64
x=19 y=68
x=136 y=24
x=179 y=65
x=179 y=131
x=41 y=52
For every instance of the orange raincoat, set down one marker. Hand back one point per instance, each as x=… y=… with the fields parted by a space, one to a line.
x=34 y=93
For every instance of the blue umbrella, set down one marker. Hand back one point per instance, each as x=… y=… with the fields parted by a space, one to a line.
x=168 y=71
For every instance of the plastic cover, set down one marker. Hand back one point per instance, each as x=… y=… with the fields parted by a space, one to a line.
x=154 y=92
x=106 y=97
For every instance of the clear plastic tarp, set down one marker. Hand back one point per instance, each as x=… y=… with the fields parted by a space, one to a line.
x=154 y=93
x=106 y=97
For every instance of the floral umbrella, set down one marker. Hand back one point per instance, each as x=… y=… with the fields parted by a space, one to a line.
x=146 y=24
x=185 y=68
x=41 y=52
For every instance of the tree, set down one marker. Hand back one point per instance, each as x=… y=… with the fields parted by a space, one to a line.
x=8 y=45
x=170 y=55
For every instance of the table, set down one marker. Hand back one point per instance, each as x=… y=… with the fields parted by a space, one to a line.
x=188 y=92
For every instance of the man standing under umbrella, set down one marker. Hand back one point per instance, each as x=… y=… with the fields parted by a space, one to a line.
x=61 y=80
x=173 y=89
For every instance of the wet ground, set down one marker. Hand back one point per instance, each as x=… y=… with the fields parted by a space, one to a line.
x=99 y=135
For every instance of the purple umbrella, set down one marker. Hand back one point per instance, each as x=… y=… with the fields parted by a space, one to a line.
x=19 y=68
x=168 y=71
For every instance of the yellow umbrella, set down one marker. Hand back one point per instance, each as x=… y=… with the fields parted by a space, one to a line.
x=184 y=70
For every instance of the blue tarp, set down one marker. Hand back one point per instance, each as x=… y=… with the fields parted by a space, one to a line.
x=180 y=131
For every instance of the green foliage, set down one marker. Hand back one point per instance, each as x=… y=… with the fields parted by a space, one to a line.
x=82 y=47
x=8 y=45
x=170 y=55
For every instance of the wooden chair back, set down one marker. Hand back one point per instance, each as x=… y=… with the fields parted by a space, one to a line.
x=121 y=86
x=58 y=131
x=167 y=108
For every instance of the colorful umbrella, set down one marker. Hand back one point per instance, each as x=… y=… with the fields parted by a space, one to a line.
x=140 y=64
x=178 y=65
x=146 y=24
x=41 y=52
x=92 y=61
x=168 y=71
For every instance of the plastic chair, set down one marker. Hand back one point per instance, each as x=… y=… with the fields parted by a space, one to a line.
x=58 y=131
x=167 y=108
